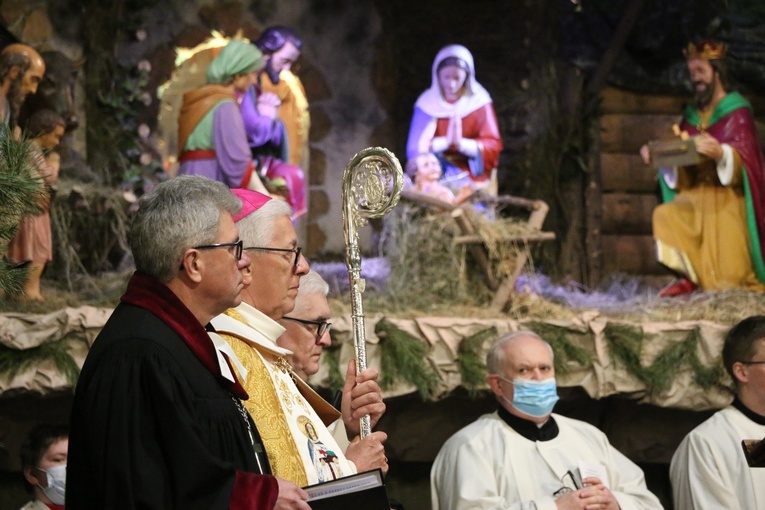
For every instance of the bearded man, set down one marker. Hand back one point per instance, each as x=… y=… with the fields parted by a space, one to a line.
x=711 y=228
x=21 y=71
x=275 y=114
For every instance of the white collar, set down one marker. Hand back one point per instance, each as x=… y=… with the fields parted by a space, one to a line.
x=258 y=329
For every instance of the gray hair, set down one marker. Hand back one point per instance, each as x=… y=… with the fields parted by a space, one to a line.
x=312 y=283
x=257 y=228
x=175 y=216
x=495 y=358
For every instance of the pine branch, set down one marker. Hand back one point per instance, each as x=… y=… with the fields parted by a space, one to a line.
x=22 y=191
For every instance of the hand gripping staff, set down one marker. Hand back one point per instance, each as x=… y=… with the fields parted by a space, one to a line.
x=372 y=184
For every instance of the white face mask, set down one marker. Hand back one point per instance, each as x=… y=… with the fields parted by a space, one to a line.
x=56 y=489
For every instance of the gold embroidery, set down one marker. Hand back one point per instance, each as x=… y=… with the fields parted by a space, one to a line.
x=265 y=408
x=283 y=365
x=274 y=404
x=704 y=117
x=286 y=396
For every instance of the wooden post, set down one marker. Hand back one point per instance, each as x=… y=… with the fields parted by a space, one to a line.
x=502 y=296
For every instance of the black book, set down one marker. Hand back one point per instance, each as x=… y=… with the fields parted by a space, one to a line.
x=363 y=490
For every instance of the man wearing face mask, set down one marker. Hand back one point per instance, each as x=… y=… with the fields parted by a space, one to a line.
x=711 y=228
x=43 y=462
x=522 y=456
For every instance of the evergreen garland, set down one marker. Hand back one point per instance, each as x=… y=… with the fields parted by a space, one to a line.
x=706 y=377
x=471 y=359
x=565 y=351
x=625 y=342
x=402 y=357
x=13 y=361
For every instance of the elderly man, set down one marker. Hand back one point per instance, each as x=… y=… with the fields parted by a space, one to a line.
x=306 y=333
x=709 y=469
x=291 y=417
x=523 y=456
x=306 y=328
x=270 y=100
x=21 y=71
x=157 y=420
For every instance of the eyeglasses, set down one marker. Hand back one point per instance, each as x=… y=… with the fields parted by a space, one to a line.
x=236 y=244
x=573 y=479
x=752 y=362
x=297 y=251
x=321 y=326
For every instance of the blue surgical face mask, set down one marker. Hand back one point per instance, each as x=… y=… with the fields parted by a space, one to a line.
x=56 y=489
x=534 y=398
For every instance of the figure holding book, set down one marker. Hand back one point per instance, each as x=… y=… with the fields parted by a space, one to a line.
x=711 y=227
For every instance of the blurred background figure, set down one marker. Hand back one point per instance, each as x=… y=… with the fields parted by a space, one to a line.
x=455 y=120
x=33 y=242
x=275 y=113
x=211 y=134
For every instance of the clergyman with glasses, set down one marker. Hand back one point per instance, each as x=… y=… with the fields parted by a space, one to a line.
x=709 y=468
x=282 y=402
x=307 y=332
x=157 y=420
x=523 y=456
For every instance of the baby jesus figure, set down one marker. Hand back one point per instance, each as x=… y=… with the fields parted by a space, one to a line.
x=426 y=171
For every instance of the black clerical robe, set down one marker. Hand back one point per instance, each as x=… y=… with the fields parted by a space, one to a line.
x=154 y=425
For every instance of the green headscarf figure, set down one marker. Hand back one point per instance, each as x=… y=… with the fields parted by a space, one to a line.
x=236 y=58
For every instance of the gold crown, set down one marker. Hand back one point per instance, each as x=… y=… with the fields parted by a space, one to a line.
x=708 y=50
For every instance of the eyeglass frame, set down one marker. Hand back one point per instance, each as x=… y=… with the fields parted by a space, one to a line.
x=322 y=327
x=238 y=244
x=575 y=481
x=752 y=362
x=297 y=251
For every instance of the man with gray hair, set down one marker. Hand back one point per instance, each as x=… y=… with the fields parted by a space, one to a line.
x=522 y=456
x=286 y=410
x=157 y=420
x=306 y=333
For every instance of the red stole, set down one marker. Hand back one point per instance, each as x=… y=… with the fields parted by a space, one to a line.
x=152 y=295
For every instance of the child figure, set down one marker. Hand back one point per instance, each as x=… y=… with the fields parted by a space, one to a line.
x=33 y=243
x=426 y=170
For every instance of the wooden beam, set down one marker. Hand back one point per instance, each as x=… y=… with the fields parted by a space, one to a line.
x=612 y=51
x=524 y=238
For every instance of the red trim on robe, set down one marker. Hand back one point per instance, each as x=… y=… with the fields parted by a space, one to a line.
x=152 y=295
x=738 y=130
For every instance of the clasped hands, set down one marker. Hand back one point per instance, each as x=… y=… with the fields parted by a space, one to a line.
x=593 y=496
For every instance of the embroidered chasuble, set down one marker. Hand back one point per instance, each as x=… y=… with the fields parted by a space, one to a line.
x=295 y=435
